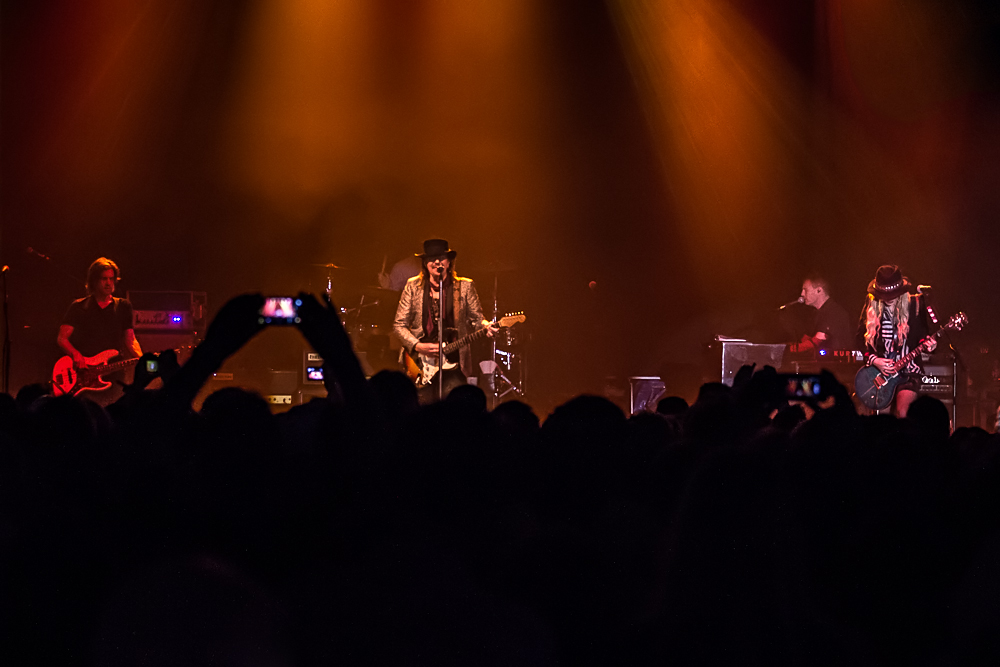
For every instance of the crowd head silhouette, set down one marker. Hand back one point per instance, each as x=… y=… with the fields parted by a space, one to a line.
x=366 y=528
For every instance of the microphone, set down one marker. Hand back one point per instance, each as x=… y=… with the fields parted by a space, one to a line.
x=791 y=303
x=32 y=251
x=925 y=290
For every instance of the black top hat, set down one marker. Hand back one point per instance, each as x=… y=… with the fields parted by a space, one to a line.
x=889 y=283
x=437 y=248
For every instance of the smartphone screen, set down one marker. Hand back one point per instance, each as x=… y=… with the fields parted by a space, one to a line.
x=280 y=310
x=803 y=386
x=314 y=373
x=152 y=366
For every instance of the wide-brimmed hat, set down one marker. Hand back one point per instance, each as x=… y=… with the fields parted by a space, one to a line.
x=436 y=248
x=889 y=283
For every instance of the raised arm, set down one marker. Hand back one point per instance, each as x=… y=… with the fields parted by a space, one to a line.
x=322 y=328
x=234 y=325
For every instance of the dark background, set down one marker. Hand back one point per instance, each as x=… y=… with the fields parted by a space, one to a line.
x=693 y=159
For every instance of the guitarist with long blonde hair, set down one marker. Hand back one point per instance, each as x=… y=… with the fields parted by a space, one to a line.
x=893 y=322
x=98 y=324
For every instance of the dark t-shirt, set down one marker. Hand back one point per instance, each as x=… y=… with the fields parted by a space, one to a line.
x=96 y=329
x=833 y=320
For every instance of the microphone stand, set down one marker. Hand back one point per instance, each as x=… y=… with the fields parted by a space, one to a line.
x=55 y=265
x=5 y=354
x=496 y=315
x=441 y=306
x=956 y=358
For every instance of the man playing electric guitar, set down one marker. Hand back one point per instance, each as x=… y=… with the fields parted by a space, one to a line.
x=97 y=325
x=416 y=323
x=894 y=322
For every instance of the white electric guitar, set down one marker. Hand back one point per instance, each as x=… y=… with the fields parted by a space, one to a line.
x=423 y=368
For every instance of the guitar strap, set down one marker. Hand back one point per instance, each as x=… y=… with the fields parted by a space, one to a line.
x=454 y=305
x=454 y=310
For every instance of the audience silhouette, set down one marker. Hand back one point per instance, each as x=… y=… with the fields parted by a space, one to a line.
x=363 y=528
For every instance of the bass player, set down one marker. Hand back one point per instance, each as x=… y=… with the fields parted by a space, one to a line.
x=893 y=322
x=100 y=322
x=416 y=323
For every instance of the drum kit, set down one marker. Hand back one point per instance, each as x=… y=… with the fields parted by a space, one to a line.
x=368 y=312
x=505 y=372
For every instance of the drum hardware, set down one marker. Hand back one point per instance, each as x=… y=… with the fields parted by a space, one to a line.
x=499 y=384
x=330 y=268
x=496 y=381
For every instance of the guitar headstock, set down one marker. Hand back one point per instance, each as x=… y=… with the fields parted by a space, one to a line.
x=957 y=321
x=511 y=319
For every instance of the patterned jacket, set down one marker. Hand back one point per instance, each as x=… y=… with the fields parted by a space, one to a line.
x=409 y=324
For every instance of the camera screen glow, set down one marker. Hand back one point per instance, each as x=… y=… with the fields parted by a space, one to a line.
x=279 y=307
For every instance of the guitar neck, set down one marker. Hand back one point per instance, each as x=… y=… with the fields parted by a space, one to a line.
x=902 y=363
x=117 y=366
x=464 y=340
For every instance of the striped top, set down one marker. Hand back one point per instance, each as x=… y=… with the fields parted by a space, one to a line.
x=888 y=332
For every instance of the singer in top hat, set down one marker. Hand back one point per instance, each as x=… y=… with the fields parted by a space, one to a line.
x=416 y=324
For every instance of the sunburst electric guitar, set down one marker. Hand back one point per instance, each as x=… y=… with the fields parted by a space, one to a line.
x=876 y=389
x=69 y=380
x=421 y=368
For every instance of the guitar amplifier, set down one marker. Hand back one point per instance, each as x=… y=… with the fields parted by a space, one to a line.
x=169 y=311
x=938 y=380
x=312 y=368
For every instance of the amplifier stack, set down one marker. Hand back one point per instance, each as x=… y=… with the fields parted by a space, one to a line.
x=169 y=320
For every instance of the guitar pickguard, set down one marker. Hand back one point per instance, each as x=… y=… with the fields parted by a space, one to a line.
x=429 y=368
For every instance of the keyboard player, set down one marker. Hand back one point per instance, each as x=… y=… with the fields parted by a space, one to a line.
x=831 y=328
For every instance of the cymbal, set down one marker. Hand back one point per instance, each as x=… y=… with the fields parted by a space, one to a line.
x=331 y=266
